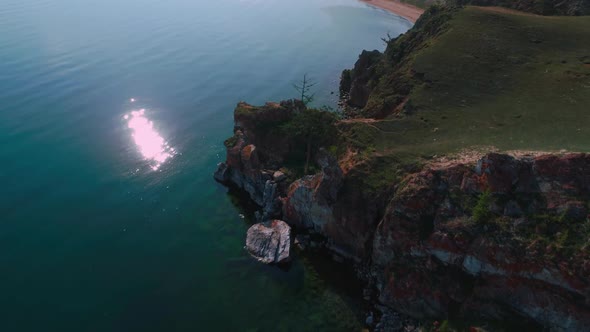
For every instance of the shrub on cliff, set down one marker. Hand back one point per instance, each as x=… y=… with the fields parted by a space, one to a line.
x=481 y=211
x=312 y=129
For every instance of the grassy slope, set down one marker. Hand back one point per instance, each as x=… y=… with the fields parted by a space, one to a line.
x=542 y=7
x=496 y=79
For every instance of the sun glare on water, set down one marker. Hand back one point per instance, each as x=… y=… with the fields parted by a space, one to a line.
x=151 y=144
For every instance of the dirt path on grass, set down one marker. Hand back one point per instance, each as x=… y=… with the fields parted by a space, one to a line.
x=368 y=121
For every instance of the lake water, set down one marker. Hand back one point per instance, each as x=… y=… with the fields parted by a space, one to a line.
x=112 y=120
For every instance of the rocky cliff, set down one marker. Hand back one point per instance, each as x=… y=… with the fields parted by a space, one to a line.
x=407 y=187
x=499 y=237
x=256 y=163
x=496 y=236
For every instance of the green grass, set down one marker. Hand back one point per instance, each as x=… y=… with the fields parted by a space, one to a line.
x=515 y=82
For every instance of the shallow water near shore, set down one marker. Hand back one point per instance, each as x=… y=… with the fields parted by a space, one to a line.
x=112 y=120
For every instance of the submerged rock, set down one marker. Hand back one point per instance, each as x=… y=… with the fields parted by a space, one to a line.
x=269 y=242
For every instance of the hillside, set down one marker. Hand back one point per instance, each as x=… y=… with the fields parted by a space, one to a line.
x=541 y=7
x=477 y=77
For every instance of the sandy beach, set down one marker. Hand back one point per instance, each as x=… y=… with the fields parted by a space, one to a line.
x=409 y=12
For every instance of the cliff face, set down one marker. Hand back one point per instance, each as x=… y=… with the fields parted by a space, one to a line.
x=257 y=151
x=336 y=206
x=325 y=203
x=497 y=237
x=500 y=237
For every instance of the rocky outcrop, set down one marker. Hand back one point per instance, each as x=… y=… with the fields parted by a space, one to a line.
x=434 y=254
x=315 y=203
x=269 y=242
x=256 y=152
x=501 y=237
x=354 y=85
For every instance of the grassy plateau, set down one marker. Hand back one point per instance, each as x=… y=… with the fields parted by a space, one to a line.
x=493 y=78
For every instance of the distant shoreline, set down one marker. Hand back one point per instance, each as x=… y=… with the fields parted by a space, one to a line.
x=409 y=12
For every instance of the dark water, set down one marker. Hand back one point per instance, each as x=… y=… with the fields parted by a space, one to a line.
x=109 y=217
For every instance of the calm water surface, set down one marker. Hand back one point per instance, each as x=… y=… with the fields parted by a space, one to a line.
x=112 y=118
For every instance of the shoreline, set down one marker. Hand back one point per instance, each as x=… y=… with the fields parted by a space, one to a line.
x=407 y=11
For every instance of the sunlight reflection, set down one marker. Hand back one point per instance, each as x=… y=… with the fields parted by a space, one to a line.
x=152 y=146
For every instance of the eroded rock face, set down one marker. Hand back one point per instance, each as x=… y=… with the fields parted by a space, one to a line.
x=309 y=200
x=326 y=205
x=354 y=84
x=254 y=154
x=254 y=157
x=431 y=256
x=269 y=242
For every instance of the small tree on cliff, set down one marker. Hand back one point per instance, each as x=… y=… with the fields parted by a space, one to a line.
x=304 y=89
x=313 y=128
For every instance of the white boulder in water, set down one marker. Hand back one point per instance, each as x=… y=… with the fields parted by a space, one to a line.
x=269 y=242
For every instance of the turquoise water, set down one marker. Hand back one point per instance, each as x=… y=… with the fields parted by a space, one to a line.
x=112 y=118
